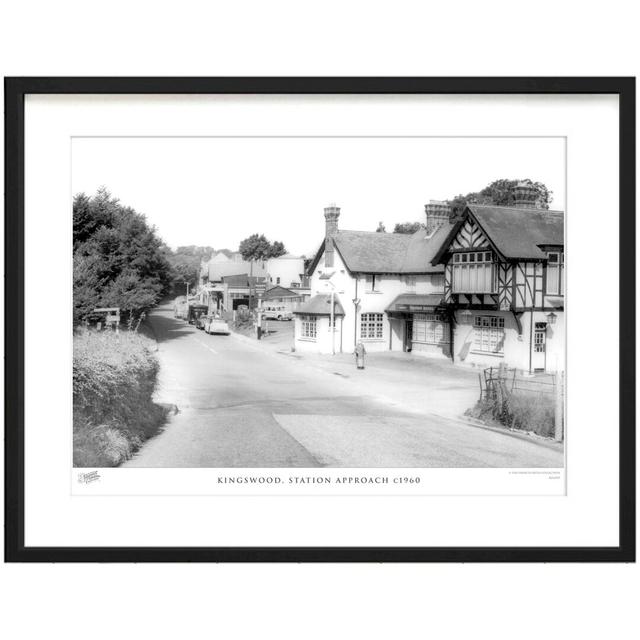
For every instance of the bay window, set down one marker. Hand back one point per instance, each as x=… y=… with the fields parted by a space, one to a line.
x=474 y=272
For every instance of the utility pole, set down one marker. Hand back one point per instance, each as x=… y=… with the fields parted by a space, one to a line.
x=250 y=286
x=331 y=325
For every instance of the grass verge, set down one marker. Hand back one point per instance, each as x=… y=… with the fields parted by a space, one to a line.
x=114 y=377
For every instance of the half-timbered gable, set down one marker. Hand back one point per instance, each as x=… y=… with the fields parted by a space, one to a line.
x=470 y=236
x=504 y=285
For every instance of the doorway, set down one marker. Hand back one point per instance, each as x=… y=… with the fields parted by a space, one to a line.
x=539 y=355
x=408 y=335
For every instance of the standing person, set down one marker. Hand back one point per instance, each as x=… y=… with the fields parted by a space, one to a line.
x=360 y=351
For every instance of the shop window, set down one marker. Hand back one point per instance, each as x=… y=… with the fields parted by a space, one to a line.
x=430 y=328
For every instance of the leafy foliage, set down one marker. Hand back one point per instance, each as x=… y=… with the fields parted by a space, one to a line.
x=381 y=228
x=502 y=193
x=114 y=377
x=186 y=263
x=118 y=260
x=257 y=247
x=408 y=227
x=499 y=192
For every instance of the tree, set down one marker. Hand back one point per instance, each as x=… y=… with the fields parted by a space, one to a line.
x=118 y=259
x=502 y=193
x=381 y=228
x=257 y=247
x=186 y=263
x=277 y=249
x=408 y=227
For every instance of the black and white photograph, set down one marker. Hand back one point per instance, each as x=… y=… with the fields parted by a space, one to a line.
x=314 y=320
x=303 y=302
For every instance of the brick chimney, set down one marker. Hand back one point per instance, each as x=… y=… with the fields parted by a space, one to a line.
x=438 y=213
x=331 y=215
x=526 y=196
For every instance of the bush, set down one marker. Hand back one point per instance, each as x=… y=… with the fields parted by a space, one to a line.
x=525 y=411
x=114 y=377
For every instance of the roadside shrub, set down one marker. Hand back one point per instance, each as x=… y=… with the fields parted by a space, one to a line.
x=523 y=411
x=114 y=377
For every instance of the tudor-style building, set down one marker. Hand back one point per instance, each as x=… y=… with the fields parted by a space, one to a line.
x=504 y=285
x=385 y=290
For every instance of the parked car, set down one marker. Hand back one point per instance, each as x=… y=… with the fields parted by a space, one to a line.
x=216 y=325
x=276 y=313
x=202 y=320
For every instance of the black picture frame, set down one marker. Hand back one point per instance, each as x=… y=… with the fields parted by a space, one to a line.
x=15 y=91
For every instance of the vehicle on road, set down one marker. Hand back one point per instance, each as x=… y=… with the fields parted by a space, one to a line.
x=180 y=307
x=276 y=313
x=202 y=320
x=195 y=311
x=216 y=325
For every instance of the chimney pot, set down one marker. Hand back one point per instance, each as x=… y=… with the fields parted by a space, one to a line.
x=437 y=213
x=331 y=215
x=526 y=196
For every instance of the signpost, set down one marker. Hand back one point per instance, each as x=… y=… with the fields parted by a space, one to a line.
x=112 y=317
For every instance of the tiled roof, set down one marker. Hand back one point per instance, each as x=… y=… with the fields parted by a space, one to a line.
x=242 y=280
x=320 y=305
x=279 y=292
x=372 y=252
x=518 y=232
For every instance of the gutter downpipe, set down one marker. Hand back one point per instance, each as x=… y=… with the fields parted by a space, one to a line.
x=355 y=315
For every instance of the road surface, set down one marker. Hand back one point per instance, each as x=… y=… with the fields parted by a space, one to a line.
x=242 y=406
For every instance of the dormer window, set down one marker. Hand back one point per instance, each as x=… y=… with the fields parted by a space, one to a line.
x=555 y=273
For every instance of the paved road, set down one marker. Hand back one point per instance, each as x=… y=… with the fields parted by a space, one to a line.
x=242 y=406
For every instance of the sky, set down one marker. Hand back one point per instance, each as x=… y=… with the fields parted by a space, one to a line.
x=217 y=191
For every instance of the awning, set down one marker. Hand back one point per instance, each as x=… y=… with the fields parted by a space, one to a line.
x=408 y=303
x=320 y=305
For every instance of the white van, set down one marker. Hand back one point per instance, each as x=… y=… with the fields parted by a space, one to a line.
x=279 y=312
